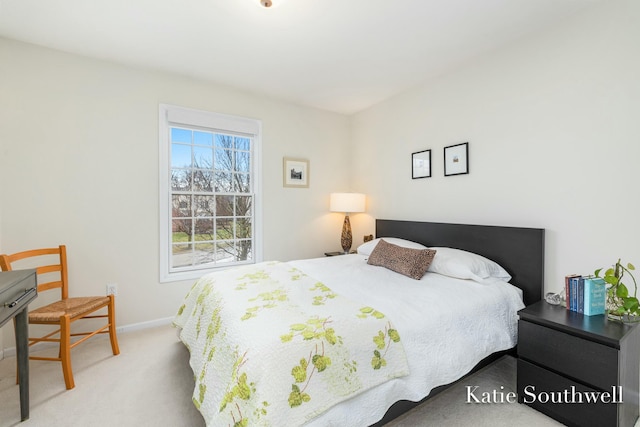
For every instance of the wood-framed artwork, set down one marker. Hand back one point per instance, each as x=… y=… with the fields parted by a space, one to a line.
x=421 y=164
x=456 y=159
x=295 y=172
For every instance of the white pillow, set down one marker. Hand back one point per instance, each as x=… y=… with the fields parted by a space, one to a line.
x=367 y=248
x=466 y=265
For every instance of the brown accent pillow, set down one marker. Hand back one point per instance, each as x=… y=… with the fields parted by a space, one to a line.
x=410 y=262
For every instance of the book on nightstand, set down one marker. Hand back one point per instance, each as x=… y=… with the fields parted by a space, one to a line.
x=568 y=290
x=580 y=302
x=574 y=283
x=595 y=294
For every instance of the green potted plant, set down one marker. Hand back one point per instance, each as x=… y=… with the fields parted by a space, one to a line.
x=621 y=305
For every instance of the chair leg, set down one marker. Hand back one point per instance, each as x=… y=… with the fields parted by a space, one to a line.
x=112 y=325
x=65 y=351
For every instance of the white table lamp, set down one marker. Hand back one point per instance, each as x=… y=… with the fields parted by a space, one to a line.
x=347 y=203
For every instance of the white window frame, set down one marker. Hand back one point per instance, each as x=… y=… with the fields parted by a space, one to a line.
x=170 y=116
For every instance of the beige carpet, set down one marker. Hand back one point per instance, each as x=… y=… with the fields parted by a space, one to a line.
x=150 y=384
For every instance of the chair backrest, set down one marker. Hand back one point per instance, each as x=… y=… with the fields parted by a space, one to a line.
x=7 y=263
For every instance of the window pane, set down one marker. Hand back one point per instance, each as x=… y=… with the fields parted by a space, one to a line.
x=224 y=160
x=204 y=229
x=181 y=135
x=203 y=138
x=204 y=253
x=181 y=230
x=204 y=206
x=224 y=141
x=243 y=205
x=242 y=143
x=222 y=182
x=224 y=206
x=202 y=180
x=181 y=255
x=181 y=205
x=180 y=180
x=244 y=250
x=225 y=252
x=180 y=156
x=224 y=229
x=242 y=161
x=202 y=157
x=241 y=183
x=243 y=228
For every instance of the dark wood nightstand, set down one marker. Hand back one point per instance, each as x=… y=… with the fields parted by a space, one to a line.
x=337 y=253
x=564 y=356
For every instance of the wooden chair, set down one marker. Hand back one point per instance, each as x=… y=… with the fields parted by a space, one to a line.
x=66 y=311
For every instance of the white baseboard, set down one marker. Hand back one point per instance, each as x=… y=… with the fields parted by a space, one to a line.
x=145 y=325
x=11 y=351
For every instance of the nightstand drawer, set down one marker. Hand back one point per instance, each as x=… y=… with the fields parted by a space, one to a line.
x=590 y=363
x=559 y=398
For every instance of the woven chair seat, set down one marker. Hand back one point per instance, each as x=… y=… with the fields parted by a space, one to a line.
x=71 y=306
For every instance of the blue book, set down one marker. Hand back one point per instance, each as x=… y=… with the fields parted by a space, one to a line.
x=595 y=294
x=573 y=286
x=570 y=296
x=580 y=295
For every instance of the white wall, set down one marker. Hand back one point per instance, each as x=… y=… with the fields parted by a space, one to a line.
x=79 y=165
x=553 y=123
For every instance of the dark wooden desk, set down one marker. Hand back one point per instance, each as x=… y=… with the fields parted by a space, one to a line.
x=17 y=289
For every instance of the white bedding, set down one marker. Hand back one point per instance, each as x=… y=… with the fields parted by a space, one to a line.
x=448 y=325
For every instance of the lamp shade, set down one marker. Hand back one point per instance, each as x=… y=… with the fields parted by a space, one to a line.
x=347 y=202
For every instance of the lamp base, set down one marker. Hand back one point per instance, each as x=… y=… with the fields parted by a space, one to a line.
x=346 y=239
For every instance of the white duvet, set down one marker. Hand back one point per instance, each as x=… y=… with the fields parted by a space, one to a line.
x=448 y=325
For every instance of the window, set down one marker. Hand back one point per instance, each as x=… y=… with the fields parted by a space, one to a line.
x=209 y=192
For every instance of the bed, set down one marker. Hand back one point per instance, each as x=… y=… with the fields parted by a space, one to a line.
x=278 y=363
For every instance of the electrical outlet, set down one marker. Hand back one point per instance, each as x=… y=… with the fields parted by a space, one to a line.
x=112 y=289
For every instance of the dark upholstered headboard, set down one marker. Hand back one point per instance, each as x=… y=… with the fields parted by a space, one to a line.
x=519 y=250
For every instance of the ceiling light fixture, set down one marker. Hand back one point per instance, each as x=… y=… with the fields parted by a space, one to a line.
x=266 y=4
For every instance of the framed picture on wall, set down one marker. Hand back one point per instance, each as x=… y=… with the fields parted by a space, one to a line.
x=421 y=164
x=456 y=159
x=295 y=172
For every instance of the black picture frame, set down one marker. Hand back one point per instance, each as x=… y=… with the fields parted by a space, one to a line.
x=456 y=159
x=421 y=164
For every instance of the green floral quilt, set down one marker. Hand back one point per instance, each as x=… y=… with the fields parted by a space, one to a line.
x=271 y=346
